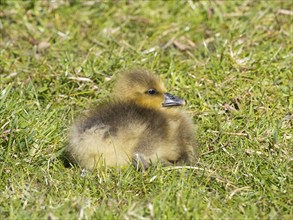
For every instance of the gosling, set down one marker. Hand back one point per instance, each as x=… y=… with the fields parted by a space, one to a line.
x=139 y=125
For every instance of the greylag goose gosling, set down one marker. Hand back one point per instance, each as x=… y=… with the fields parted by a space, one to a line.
x=139 y=125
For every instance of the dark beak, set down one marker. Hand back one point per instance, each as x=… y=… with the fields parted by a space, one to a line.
x=171 y=100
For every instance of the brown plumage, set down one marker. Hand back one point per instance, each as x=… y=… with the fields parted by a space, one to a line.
x=136 y=126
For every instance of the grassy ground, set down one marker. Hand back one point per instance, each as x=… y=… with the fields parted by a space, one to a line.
x=230 y=60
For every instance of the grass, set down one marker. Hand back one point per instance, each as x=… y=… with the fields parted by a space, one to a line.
x=230 y=60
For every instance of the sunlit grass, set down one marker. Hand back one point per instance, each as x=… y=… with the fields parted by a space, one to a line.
x=230 y=60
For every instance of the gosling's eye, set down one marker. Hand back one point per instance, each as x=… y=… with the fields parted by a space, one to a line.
x=151 y=92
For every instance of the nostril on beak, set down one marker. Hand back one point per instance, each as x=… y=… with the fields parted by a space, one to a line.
x=171 y=100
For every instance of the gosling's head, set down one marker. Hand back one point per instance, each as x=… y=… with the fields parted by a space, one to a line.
x=144 y=89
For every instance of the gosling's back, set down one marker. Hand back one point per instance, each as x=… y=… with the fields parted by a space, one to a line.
x=112 y=135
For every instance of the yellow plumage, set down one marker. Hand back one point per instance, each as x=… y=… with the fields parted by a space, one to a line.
x=137 y=126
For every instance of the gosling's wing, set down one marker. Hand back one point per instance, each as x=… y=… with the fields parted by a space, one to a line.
x=109 y=133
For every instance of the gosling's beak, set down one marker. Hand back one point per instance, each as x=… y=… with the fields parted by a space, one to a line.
x=171 y=100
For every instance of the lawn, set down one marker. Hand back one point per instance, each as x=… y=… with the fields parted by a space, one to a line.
x=230 y=60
